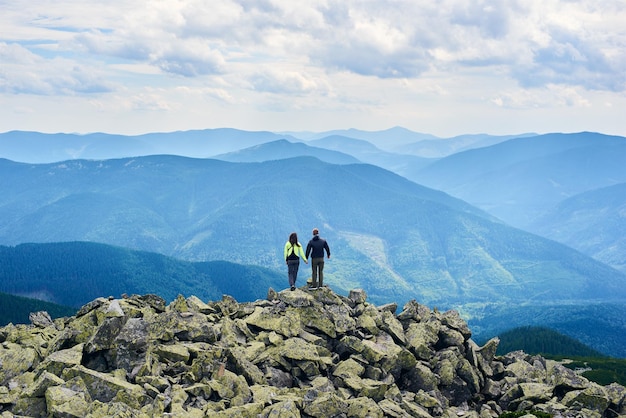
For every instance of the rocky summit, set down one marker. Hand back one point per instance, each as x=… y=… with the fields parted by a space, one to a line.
x=302 y=353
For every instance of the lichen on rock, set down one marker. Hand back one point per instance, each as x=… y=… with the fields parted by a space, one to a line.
x=301 y=353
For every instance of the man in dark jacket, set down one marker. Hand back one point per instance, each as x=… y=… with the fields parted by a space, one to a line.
x=315 y=248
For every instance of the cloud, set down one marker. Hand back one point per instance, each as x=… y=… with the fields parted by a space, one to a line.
x=550 y=96
x=569 y=60
x=385 y=39
x=290 y=82
x=385 y=57
x=25 y=72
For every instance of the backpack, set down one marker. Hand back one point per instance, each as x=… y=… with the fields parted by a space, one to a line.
x=292 y=255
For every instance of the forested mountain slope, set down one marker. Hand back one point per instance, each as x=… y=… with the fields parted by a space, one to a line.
x=74 y=273
x=396 y=239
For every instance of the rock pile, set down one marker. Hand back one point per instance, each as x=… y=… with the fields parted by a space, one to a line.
x=297 y=354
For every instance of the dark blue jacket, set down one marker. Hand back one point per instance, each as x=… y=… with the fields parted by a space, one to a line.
x=316 y=247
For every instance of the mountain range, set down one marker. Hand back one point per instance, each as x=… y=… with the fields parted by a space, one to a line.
x=526 y=182
x=389 y=235
x=410 y=240
x=592 y=222
x=37 y=147
x=520 y=179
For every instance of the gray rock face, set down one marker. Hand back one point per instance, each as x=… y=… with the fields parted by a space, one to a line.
x=297 y=354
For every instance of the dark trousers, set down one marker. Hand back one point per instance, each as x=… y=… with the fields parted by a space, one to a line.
x=317 y=265
x=292 y=271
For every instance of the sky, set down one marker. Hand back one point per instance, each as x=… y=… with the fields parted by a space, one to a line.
x=445 y=67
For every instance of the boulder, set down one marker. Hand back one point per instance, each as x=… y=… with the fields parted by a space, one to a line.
x=66 y=403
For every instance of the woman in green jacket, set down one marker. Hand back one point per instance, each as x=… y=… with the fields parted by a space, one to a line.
x=293 y=253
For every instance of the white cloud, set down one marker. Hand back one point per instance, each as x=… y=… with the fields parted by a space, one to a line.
x=291 y=82
x=25 y=72
x=316 y=55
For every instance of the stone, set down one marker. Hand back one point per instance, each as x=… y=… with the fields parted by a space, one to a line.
x=393 y=327
x=317 y=319
x=421 y=338
x=421 y=377
x=341 y=316
x=196 y=305
x=413 y=311
x=172 y=352
x=325 y=405
x=102 y=386
x=594 y=398
x=357 y=295
x=282 y=409
x=15 y=360
x=285 y=323
x=367 y=323
x=246 y=368
x=392 y=409
x=348 y=368
x=231 y=387
x=363 y=407
x=60 y=360
x=43 y=382
x=64 y=402
x=369 y=388
x=451 y=319
x=41 y=319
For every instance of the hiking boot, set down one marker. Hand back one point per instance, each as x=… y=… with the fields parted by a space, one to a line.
x=293 y=288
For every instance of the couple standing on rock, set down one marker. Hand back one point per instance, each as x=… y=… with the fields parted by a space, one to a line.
x=315 y=248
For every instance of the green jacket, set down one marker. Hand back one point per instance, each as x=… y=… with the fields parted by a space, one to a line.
x=294 y=249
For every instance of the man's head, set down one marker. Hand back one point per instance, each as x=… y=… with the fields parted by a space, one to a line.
x=315 y=231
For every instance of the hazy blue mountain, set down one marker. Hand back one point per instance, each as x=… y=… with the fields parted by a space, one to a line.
x=396 y=239
x=35 y=147
x=593 y=222
x=74 y=273
x=388 y=139
x=281 y=149
x=521 y=179
x=442 y=147
x=369 y=153
x=402 y=141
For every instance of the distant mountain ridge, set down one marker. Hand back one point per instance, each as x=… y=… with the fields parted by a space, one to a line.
x=592 y=222
x=438 y=148
x=520 y=179
x=282 y=149
x=36 y=147
x=371 y=154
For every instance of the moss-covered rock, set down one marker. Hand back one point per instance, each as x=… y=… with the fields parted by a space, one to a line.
x=65 y=402
x=15 y=359
x=301 y=353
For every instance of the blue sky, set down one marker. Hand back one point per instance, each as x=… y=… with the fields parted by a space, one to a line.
x=446 y=67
